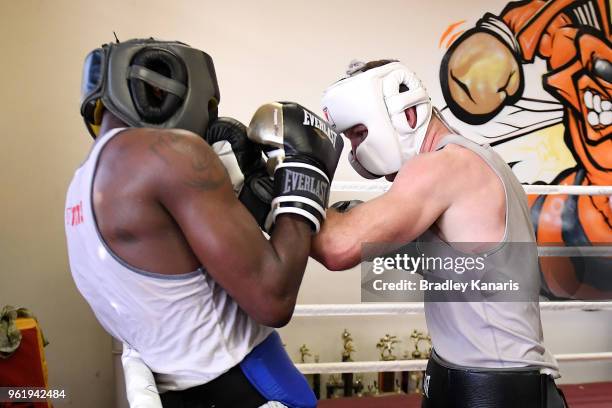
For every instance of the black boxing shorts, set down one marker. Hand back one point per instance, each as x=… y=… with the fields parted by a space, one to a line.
x=265 y=374
x=452 y=387
x=231 y=389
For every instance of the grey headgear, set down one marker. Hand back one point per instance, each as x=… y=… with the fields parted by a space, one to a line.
x=150 y=83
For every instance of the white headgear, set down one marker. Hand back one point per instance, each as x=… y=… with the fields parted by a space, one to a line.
x=373 y=98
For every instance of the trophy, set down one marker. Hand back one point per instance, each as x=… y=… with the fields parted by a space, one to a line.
x=331 y=386
x=405 y=375
x=412 y=381
x=347 y=349
x=359 y=386
x=373 y=390
x=386 y=379
x=398 y=387
x=314 y=379
x=304 y=352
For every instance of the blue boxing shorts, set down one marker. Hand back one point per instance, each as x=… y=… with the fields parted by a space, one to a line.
x=265 y=378
x=270 y=370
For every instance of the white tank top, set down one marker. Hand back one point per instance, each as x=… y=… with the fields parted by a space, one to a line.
x=187 y=329
x=498 y=335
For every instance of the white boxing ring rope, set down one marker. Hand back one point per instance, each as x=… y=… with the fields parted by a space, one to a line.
x=545 y=189
x=415 y=365
x=381 y=309
x=140 y=382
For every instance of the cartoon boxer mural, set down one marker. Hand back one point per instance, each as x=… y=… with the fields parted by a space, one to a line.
x=482 y=76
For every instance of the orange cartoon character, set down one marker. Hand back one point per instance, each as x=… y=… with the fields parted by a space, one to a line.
x=482 y=73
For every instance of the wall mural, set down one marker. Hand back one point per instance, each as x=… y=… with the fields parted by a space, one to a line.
x=535 y=81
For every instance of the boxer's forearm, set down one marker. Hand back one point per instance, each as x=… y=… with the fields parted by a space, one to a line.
x=283 y=270
x=335 y=245
x=396 y=216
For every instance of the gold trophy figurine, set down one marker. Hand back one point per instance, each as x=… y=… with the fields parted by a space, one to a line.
x=304 y=352
x=418 y=337
x=386 y=346
x=416 y=377
x=426 y=338
x=386 y=379
x=347 y=350
x=313 y=379
x=348 y=347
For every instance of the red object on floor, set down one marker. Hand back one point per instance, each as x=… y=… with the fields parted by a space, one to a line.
x=590 y=395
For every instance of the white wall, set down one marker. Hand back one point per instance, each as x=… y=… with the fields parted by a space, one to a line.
x=264 y=50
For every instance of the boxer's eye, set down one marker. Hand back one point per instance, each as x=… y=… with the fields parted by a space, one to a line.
x=603 y=69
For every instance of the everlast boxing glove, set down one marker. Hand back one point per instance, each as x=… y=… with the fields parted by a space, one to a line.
x=245 y=165
x=303 y=152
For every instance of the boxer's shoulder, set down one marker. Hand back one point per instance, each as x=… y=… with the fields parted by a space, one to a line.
x=422 y=178
x=432 y=168
x=137 y=143
x=447 y=173
x=142 y=138
x=158 y=157
x=462 y=162
x=184 y=158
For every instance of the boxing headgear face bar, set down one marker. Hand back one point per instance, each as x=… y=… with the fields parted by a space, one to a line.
x=373 y=98
x=150 y=83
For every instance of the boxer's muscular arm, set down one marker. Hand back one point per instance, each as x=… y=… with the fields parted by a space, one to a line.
x=262 y=276
x=412 y=204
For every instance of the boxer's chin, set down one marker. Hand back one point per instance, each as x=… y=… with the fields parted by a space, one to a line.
x=390 y=177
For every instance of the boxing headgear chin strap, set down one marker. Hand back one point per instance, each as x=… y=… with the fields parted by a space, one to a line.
x=373 y=98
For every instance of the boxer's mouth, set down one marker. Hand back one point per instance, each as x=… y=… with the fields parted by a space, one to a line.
x=411 y=116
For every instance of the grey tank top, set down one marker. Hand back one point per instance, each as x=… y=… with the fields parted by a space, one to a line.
x=488 y=333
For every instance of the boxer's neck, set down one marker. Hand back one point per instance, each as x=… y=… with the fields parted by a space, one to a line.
x=110 y=122
x=436 y=131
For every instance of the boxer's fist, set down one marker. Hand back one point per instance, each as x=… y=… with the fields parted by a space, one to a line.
x=257 y=195
x=479 y=75
x=245 y=165
x=303 y=152
x=240 y=156
x=290 y=133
